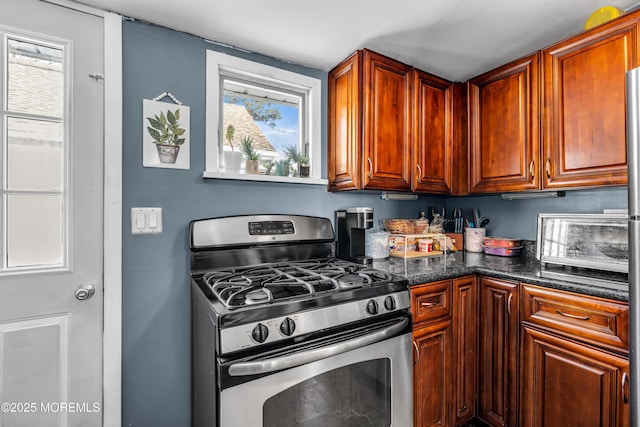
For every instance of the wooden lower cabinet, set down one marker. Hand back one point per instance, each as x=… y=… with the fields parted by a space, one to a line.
x=566 y=383
x=432 y=374
x=498 y=352
x=445 y=352
x=465 y=349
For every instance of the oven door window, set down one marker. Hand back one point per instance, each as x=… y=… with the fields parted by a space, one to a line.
x=353 y=395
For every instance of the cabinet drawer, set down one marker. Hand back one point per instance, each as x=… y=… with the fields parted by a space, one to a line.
x=598 y=321
x=431 y=301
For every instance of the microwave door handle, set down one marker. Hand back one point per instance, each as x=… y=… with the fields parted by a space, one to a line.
x=297 y=359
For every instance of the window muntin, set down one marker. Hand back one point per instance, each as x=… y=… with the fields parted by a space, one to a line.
x=34 y=145
x=288 y=116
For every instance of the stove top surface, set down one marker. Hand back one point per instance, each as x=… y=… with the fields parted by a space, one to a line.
x=241 y=287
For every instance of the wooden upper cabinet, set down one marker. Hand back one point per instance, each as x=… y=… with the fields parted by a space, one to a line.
x=345 y=133
x=432 y=134
x=387 y=123
x=504 y=123
x=584 y=106
x=369 y=124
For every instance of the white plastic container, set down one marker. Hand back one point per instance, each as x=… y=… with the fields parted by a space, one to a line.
x=376 y=244
x=474 y=239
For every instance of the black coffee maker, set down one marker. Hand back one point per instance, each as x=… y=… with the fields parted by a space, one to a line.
x=350 y=233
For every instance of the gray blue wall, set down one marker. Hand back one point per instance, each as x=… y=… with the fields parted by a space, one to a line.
x=517 y=218
x=156 y=306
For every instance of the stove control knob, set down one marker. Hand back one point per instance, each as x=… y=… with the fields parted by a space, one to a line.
x=287 y=326
x=260 y=333
x=389 y=303
x=372 y=307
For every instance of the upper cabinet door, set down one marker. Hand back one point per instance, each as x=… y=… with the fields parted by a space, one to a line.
x=432 y=133
x=584 y=105
x=504 y=123
x=344 y=153
x=387 y=123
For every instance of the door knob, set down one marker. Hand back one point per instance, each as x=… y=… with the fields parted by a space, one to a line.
x=85 y=291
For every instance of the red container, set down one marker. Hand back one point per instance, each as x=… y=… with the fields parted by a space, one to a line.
x=500 y=242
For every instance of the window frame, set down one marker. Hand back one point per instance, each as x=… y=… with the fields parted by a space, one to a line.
x=219 y=66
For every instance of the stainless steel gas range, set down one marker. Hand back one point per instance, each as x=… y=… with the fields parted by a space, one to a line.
x=284 y=334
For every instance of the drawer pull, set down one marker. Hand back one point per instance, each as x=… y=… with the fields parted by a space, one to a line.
x=625 y=380
x=572 y=316
x=415 y=362
x=428 y=304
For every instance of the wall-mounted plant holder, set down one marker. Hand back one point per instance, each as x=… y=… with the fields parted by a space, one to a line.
x=165 y=133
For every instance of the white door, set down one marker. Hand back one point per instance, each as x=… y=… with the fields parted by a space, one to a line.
x=51 y=216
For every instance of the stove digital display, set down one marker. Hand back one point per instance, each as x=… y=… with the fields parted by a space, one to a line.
x=266 y=228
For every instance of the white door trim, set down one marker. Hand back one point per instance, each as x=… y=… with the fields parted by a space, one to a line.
x=112 y=344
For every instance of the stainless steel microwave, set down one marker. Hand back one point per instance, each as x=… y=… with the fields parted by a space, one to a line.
x=597 y=241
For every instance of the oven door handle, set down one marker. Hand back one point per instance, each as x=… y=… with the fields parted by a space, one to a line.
x=297 y=359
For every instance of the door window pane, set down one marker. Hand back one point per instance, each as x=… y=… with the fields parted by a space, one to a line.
x=34 y=155
x=354 y=395
x=35 y=78
x=34 y=230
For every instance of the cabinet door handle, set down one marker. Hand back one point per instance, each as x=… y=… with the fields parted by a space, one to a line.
x=625 y=395
x=370 y=167
x=415 y=346
x=532 y=171
x=572 y=316
x=419 y=173
x=548 y=167
x=509 y=304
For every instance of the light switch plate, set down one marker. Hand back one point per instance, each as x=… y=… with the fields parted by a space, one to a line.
x=146 y=220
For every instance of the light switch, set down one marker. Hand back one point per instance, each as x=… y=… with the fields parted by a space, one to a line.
x=146 y=220
x=153 y=220
x=140 y=221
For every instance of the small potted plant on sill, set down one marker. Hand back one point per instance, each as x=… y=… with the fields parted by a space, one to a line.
x=283 y=167
x=166 y=133
x=304 y=167
x=251 y=154
x=232 y=159
x=268 y=165
x=295 y=155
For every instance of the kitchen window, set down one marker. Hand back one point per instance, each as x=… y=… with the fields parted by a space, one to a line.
x=269 y=112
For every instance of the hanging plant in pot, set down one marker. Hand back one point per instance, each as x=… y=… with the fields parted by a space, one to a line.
x=232 y=159
x=251 y=154
x=166 y=133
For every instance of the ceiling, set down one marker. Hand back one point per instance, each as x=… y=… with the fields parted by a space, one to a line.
x=454 y=39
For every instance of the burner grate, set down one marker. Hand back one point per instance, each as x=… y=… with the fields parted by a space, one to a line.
x=264 y=284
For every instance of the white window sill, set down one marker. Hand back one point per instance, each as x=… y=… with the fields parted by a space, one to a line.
x=266 y=178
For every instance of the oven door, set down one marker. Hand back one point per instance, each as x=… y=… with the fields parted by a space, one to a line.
x=363 y=380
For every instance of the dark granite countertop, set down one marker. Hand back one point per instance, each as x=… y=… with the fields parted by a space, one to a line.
x=524 y=269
